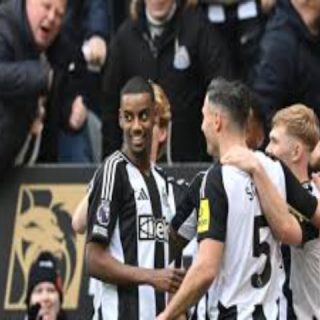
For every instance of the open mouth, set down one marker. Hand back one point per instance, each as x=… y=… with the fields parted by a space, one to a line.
x=45 y=30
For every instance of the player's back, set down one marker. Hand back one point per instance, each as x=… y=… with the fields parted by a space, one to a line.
x=250 y=277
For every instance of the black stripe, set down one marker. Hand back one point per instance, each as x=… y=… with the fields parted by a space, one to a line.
x=227 y=313
x=207 y=307
x=159 y=261
x=286 y=255
x=128 y=295
x=258 y=313
x=100 y=315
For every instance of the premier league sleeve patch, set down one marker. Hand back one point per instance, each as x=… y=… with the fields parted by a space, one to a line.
x=103 y=213
x=204 y=216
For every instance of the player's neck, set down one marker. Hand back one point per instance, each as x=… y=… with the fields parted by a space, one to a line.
x=229 y=141
x=300 y=170
x=141 y=161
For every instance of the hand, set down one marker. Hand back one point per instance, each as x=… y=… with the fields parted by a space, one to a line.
x=37 y=124
x=95 y=51
x=242 y=158
x=167 y=280
x=161 y=316
x=78 y=114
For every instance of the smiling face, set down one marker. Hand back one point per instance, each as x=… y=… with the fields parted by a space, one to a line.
x=45 y=19
x=137 y=118
x=46 y=294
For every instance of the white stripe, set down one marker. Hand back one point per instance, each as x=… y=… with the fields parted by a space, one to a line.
x=203 y=184
x=108 y=170
x=110 y=298
x=146 y=249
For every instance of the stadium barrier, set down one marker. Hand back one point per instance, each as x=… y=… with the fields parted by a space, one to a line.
x=36 y=205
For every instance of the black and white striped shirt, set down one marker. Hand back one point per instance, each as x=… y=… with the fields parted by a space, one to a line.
x=130 y=213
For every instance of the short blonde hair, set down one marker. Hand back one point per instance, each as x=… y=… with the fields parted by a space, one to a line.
x=300 y=122
x=162 y=106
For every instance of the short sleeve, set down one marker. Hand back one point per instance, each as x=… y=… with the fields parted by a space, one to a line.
x=301 y=200
x=104 y=200
x=185 y=220
x=213 y=209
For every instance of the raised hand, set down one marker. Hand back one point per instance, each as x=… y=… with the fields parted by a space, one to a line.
x=242 y=158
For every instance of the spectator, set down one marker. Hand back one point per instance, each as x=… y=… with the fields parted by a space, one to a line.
x=29 y=44
x=288 y=70
x=44 y=293
x=87 y=29
x=174 y=46
x=241 y=23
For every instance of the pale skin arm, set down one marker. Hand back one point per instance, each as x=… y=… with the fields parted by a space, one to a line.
x=197 y=280
x=79 y=218
x=103 y=266
x=283 y=224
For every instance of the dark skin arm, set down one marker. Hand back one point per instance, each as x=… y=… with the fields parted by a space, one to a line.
x=103 y=266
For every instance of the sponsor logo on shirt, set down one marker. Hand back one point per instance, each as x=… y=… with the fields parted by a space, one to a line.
x=150 y=228
x=204 y=216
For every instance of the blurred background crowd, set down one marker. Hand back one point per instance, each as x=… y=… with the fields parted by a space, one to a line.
x=63 y=64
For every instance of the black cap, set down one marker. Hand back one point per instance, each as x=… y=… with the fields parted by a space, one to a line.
x=44 y=269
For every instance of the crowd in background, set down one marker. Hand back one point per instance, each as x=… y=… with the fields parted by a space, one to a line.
x=70 y=78
x=63 y=65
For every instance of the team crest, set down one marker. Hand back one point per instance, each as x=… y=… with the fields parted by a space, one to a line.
x=103 y=213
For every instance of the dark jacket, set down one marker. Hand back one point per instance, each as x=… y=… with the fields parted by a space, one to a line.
x=133 y=52
x=23 y=78
x=289 y=66
x=84 y=19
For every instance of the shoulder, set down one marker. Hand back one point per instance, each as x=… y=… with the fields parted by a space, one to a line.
x=110 y=165
x=279 y=35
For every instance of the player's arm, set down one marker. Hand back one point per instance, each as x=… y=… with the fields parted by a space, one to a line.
x=198 y=279
x=103 y=266
x=211 y=228
x=284 y=225
x=79 y=218
x=105 y=207
x=183 y=226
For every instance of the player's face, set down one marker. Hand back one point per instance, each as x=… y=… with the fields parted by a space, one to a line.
x=45 y=19
x=208 y=128
x=159 y=9
x=137 y=118
x=280 y=145
x=46 y=294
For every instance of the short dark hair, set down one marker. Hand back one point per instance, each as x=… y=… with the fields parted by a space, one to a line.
x=234 y=97
x=138 y=85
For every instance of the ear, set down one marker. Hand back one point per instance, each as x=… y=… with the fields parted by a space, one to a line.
x=296 y=152
x=163 y=133
x=217 y=120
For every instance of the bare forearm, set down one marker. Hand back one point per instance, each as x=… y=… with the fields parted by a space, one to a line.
x=283 y=225
x=103 y=266
x=194 y=286
x=79 y=218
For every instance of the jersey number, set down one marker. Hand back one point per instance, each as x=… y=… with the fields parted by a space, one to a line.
x=259 y=248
